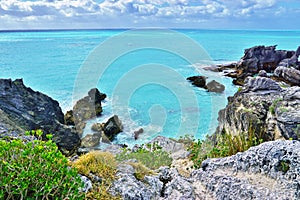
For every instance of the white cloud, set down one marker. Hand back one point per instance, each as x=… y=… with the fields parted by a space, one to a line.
x=133 y=12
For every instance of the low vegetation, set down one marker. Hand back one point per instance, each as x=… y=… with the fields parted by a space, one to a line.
x=152 y=156
x=224 y=145
x=36 y=170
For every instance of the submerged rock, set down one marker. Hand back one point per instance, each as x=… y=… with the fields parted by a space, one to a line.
x=24 y=109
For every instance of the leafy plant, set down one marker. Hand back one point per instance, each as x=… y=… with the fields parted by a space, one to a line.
x=140 y=170
x=284 y=166
x=274 y=105
x=36 y=170
x=153 y=158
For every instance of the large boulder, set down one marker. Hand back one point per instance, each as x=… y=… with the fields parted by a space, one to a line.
x=24 y=109
x=214 y=86
x=199 y=81
x=112 y=127
x=290 y=75
x=265 y=108
x=267 y=171
x=91 y=140
x=87 y=108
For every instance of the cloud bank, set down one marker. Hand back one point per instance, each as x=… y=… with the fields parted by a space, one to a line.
x=73 y=14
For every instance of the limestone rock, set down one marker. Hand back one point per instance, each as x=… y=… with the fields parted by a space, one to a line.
x=291 y=75
x=112 y=127
x=214 y=86
x=199 y=81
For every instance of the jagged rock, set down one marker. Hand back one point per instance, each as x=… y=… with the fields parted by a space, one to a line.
x=91 y=140
x=198 y=81
x=112 y=127
x=267 y=171
x=259 y=58
x=262 y=73
x=87 y=108
x=214 y=86
x=261 y=83
x=24 y=109
x=273 y=112
x=69 y=118
x=97 y=127
x=291 y=75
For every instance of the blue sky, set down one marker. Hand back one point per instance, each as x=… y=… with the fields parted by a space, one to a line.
x=203 y=14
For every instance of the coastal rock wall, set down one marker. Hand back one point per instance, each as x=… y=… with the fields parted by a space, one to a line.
x=265 y=108
x=23 y=109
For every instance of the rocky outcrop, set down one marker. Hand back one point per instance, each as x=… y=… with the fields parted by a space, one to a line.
x=24 y=109
x=214 y=86
x=267 y=171
x=91 y=140
x=199 y=81
x=112 y=127
x=265 y=108
x=87 y=108
x=290 y=75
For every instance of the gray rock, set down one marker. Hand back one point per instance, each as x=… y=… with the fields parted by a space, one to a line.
x=87 y=184
x=261 y=83
x=267 y=171
x=176 y=149
x=264 y=108
x=23 y=109
x=291 y=75
x=262 y=73
x=91 y=140
x=214 y=86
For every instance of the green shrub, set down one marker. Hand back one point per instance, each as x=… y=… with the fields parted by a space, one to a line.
x=153 y=158
x=274 y=105
x=36 y=170
x=225 y=145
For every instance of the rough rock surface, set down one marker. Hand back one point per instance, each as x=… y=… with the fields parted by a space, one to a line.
x=214 y=86
x=112 y=127
x=87 y=108
x=91 y=140
x=24 y=109
x=267 y=171
x=265 y=108
x=291 y=75
x=199 y=81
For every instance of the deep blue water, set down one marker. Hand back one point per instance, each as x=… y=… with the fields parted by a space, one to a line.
x=156 y=99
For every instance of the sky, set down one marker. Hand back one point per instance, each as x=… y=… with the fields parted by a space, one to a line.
x=100 y=14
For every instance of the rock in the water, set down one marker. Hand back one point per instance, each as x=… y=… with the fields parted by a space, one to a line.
x=291 y=75
x=137 y=133
x=214 y=86
x=198 y=81
x=24 y=109
x=261 y=84
x=87 y=108
x=97 y=127
x=112 y=127
x=91 y=140
x=69 y=118
x=267 y=171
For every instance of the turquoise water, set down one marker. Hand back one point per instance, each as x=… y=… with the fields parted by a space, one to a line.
x=49 y=61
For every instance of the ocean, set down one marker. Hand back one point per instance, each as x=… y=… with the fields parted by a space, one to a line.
x=146 y=87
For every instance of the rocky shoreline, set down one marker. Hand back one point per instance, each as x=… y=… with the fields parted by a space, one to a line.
x=267 y=104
